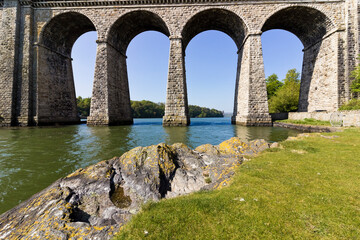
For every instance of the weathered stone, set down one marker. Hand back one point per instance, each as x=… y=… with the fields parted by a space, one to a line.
x=93 y=203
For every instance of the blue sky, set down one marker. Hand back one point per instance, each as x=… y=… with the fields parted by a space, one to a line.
x=210 y=65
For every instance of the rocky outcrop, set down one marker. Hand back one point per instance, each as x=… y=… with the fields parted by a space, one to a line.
x=93 y=203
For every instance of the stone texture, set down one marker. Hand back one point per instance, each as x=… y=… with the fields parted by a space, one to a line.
x=349 y=118
x=36 y=82
x=176 y=107
x=93 y=203
x=252 y=106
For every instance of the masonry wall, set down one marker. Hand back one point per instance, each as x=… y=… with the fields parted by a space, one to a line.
x=9 y=33
x=24 y=104
x=56 y=91
x=319 y=79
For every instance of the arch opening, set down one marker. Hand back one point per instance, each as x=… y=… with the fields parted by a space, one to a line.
x=113 y=77
x=221 y=20
x=319 y=67
x=147 y=61
x=56 y=98
x=211 y=62
x=282 y=53
x=84 y=57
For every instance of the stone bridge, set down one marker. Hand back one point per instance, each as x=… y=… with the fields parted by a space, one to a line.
x=36 y=79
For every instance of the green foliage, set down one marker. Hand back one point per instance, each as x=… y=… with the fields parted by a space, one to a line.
x=355 y=85
x=307 y=121
x=202 y=112
x=286 y=97
x=147 y=109
x=83 y=106
x=272 y=85
x=292 y=76
x=307 y=189
x=353 y=104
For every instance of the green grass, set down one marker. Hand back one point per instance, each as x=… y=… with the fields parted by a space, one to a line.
x=307 y=121
x=353 y=104
x=307 y=189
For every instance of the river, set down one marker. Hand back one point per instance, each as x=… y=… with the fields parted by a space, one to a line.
x=32 y=158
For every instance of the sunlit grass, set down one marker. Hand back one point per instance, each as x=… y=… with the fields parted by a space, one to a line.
x=307 y=189
x=307 y=121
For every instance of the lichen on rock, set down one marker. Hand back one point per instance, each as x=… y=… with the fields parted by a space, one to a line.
x=93 y=203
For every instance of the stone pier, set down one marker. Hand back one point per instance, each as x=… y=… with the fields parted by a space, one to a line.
x=176 y=107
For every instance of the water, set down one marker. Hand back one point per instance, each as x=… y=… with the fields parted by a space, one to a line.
x=32 y=158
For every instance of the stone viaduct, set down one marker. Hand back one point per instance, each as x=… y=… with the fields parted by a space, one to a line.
x=36 y=38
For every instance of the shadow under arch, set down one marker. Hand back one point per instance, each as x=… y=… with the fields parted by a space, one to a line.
x=111 y=76
x=56 y=99
x=215 y=19
x=221 y=20
x=319 y=70
x=133 y=23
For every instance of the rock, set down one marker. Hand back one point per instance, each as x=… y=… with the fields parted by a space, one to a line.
x=275 y=145
x=93 y=203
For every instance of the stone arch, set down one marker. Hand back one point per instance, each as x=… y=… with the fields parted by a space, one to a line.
x=133 y=23
x=210 y=19
x=215 y=19
x=308 y=24
x=317 y=33
x=111 y=74
x=56 y=99
x=61 y=32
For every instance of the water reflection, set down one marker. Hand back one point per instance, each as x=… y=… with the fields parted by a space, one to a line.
x=177 y=135
x=108 y=142
x=33 y=158
x=250 y=133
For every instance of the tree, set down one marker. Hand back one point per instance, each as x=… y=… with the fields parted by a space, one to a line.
x=83 y=106
x=355 y=85
x=202 y=112
x=147 y=109
x=292 y=76
x=272 y=85
x=286 y=98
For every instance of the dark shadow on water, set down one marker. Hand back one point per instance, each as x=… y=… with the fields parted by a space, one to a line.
x=145 y=121
x=206 y=123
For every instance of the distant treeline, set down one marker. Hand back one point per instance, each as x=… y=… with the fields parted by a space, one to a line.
x=148 y=109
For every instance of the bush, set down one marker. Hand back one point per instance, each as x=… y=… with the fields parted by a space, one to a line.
x=355 y=85
x=272 y=85
x=83 y=106
x=353 y=104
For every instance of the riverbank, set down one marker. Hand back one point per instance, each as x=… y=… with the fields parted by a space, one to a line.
x=95 y=202
x=308 y=188
x=307 y=127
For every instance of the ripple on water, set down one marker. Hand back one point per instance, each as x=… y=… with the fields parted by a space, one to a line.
x=33 y=158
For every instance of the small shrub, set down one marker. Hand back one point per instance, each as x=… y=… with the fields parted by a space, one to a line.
x=307 y=121
x=353 y=104
x=208 y=180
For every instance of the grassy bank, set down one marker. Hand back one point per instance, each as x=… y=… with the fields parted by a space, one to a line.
x=307 y=121
x=307 y=189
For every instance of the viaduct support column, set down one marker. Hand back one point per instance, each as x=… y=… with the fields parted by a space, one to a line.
x=8 y=65
x=176 y=107
x=25 y=86
x=110 y=102
x=251 y=106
